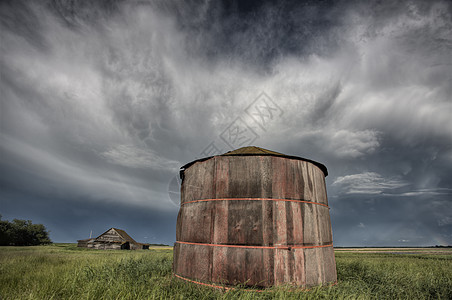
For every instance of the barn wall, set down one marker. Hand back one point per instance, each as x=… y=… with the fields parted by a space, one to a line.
x=85 y=243
x=110 y=236
x=135 y=246
x=107 y=246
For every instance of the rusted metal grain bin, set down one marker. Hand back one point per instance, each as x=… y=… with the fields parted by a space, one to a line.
x=256 y=217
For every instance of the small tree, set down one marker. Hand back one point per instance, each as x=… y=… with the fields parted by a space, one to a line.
x=22 y=233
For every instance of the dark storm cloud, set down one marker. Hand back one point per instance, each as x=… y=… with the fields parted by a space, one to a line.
x=103 y=101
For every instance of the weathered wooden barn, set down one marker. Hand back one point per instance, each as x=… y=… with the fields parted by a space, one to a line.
x=256 y=217
x=113 y=238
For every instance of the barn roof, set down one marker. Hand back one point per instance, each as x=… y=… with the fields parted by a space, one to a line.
x=123 y=234
x=257 y=151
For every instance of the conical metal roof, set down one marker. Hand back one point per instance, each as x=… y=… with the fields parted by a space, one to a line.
x=257 y=151
x=252 y=150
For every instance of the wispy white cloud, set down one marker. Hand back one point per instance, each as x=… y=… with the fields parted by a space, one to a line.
x=423 y=192
x=374 y=183
x=367 y=183
x=130 y=156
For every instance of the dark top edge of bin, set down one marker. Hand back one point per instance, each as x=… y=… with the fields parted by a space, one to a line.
x=256 y=151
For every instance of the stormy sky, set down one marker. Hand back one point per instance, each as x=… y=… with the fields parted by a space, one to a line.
x=103 y=101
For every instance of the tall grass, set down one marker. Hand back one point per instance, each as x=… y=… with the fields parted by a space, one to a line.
x=67 y=272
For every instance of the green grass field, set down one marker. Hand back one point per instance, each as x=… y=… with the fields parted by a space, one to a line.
x=63 y=271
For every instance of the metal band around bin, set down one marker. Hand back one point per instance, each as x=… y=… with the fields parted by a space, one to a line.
x=288 y=247
x=255 y=199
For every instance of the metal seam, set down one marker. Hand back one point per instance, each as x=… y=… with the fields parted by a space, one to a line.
x=256 y=199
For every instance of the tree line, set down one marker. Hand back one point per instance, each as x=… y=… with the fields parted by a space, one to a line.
x=22 y=233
